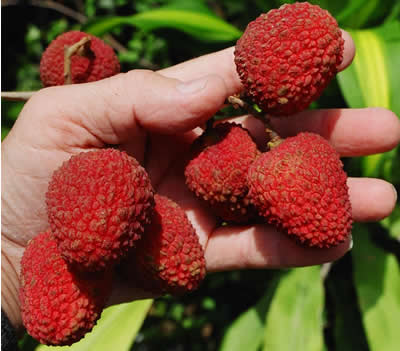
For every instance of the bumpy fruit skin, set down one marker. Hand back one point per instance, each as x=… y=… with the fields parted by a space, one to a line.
x=102 y=64
x=58 y=306
x=217 y=171
x=300 y=185
x=98 y=203
x=168 y=258
x=287 y=57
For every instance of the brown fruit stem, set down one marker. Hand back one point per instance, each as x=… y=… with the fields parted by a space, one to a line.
x=273 y=138
x=17 y=95
x=81 y=48
x=237 y=102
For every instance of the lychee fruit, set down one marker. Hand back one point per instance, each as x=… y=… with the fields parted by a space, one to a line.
x=286 y=57
x=168 y=258
x=58 y=305
x=300 y=186
x=217 y=171
x=98 y=203
x=100 y=62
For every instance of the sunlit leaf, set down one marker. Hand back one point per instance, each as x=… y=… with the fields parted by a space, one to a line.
x=202 y=26
x=295 y=317
x=377 y=278
x=115 y=330
x=372 y=80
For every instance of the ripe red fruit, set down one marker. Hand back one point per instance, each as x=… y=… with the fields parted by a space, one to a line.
x=58 y=305
x=300 y=186
x=287 y=57
x=98 y=203
x=217 y=172
x=168 y=258
x=101 y=63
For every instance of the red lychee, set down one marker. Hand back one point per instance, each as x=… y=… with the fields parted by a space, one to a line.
x=98 y=203
x=58 y=305
x=287 y=57
x=217 y=172
x=100 y=63
x=300 y=186
x=168 y=258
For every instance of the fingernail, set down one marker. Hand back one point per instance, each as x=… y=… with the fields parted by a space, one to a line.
x=193 y=86
x=351 y=243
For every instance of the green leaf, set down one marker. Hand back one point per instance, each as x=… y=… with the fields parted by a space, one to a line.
x=246 y=332
x=377 y=278
x=115 y=330
x=392 y=223
x=372 y=78
x=368 y=73
x=359 y=13
x=372 y=81
x=295 y=317
x=202 y=26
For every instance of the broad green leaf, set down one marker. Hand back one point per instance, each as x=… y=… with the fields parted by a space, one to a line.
x=246 y=332
x=368 y=73
x=358 y=13
x=115 y=330
x=355 y=13
x=380 y=165
x=377 y=282
x=202 y=26
x=193 y=5
x=372 y=79
x=295 y=317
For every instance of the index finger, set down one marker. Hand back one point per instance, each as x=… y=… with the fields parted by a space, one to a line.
x=222 y=63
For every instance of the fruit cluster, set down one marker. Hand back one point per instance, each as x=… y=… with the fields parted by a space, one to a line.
x=285 y=59
x=103 y=211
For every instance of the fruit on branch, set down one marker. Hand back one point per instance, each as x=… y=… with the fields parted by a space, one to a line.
x=89 y=62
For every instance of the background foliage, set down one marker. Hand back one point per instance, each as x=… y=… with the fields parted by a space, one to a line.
x=352 y=304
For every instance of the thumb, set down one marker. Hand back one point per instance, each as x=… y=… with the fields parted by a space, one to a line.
x=111 y=108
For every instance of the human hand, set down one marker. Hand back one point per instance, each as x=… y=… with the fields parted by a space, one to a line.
x=152 y=116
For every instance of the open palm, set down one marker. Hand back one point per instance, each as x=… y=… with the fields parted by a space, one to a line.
x=153 y=116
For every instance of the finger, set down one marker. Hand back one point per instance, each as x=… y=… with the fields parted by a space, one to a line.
x=353 y=132
x=262 y=246
x=111 y=109
x=371 y=199
x=222 y=64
